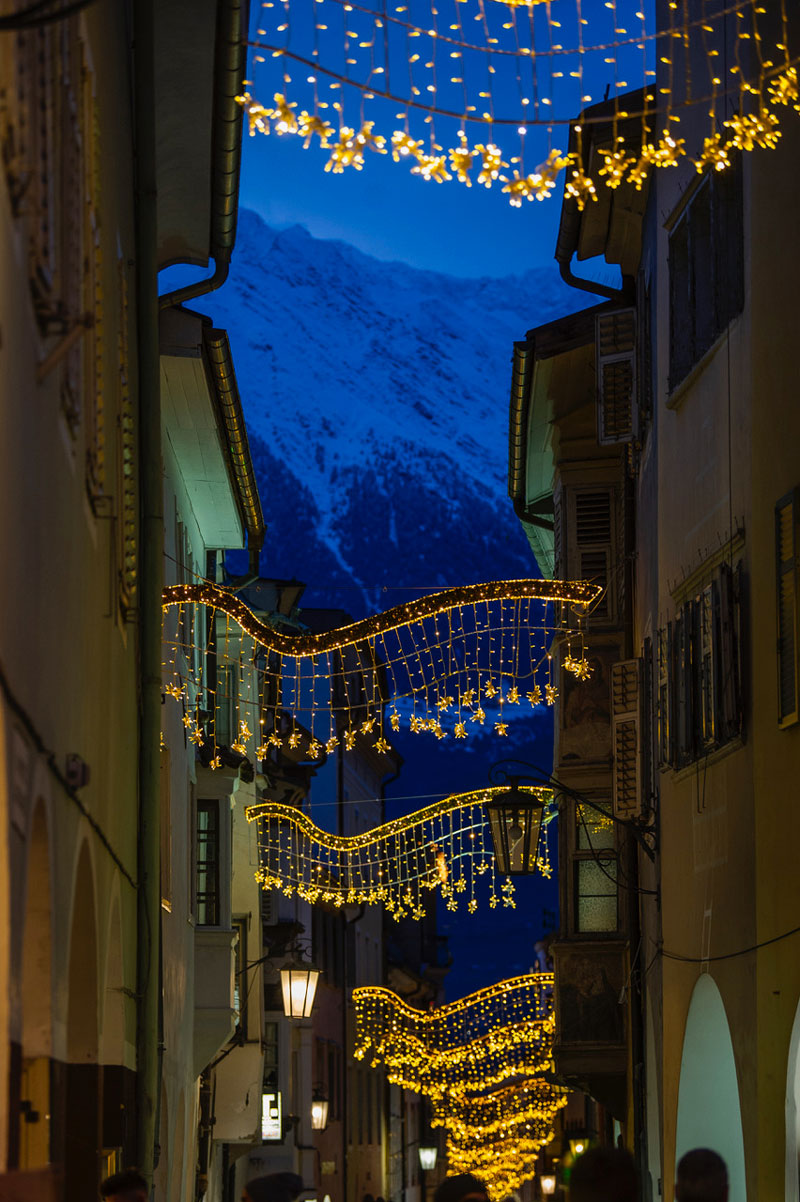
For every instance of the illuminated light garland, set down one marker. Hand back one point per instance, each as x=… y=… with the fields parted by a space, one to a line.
x=459 y=77
x=483 y=1040
x=445 y=847
x=457 y=1054
x=453 y=658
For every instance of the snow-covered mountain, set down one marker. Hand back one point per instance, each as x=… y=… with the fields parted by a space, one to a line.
x=376 y=397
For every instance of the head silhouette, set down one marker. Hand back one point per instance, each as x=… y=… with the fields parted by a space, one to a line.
x=702 y=1176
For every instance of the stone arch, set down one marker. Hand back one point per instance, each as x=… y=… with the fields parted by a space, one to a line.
x=793 y=1114
x=36 y=991
x=709 y=1113
x=82 y=1118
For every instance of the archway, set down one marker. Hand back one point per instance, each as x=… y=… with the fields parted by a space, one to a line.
x=82 y=1118
x=709 y=1114
x=793 y=1114
x=37 y=1001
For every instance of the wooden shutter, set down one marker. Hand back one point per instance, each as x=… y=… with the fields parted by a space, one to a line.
x=591 y=513
x=726 y=656
x=617 y=408
x=626 y=721
x=786 y=587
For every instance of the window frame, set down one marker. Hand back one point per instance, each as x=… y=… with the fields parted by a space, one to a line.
x=602 y=857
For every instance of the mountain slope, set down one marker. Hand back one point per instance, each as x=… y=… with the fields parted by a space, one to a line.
x=376 y=397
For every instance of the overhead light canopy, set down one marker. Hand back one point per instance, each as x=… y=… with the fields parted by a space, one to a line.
x=319 y=1111
x=427 y=1157
x=515 y=820
x=299 y=986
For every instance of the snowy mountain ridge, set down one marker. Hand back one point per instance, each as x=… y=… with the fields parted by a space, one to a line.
x=376 y=398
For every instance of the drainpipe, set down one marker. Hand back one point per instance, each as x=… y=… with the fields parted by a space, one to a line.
x=226 y=150
x=566 y=244
x=151 y=541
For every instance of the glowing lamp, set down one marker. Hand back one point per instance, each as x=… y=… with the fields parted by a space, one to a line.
x=578 y=1146
x=427 y=1157
x=299 y=986
x=515 y=820
x=319 y=1111
x=548 y=1183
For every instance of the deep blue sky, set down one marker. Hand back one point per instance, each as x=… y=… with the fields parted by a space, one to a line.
x=391 y=214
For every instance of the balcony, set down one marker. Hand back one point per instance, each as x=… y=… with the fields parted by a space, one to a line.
x=214 y=1014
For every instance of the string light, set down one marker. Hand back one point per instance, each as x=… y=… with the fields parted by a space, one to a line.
x=450 y=660
x=445 y=847
x=477 y=1060
x=456 y=77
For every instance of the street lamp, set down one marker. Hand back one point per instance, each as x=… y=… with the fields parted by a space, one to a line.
x=427 y=1157
x=319 y=1111
x=513 y=831
x=515 y=821
x=547 y=1181
x=299 y=986
x=577 y=1146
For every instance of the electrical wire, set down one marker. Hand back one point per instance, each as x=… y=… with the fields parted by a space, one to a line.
x=745 y=951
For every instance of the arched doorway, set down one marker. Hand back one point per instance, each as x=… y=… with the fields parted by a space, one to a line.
x=709 y=1115
x=793 y=1114
x=82 y=1117
x=37 y=1001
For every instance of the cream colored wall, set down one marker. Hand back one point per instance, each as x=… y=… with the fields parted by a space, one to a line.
x=68 y=657
x=730 y=826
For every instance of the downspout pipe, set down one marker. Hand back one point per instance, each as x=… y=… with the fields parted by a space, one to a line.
x=151 y=544
x=567 y=244
x=226 y=150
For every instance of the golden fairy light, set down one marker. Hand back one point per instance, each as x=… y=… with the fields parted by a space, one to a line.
x=475 y=90
x=481 y=1061
x=446 y=665
x=480 y=1041
x=444 y=848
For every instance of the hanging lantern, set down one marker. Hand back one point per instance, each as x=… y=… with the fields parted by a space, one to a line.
x=547 y=1181
x=299 y=986
x=515 y=820
x=427 y=1157
x=319 y=1111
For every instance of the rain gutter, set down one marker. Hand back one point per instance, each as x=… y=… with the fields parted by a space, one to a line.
x=229 y=406
x=226 y=147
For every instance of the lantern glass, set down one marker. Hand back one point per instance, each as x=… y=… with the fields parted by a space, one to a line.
x=548 y=1184
x=299 y=986
x=515 y=820
x=319 y=1112
x=427 y=1157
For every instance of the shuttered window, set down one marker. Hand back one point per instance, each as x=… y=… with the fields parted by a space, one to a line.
x=706 y=268
x=617 y=410
x=626 y=724
x=591 y=542
x=786 y=513
x=699 y=692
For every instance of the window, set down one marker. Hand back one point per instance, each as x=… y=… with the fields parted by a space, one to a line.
x=617 y=408
x=271 y=1050
x=207 y=864
x=595 y=872
x=706 y=268
x=699 y=693
x=240 y=980
x=786 y=513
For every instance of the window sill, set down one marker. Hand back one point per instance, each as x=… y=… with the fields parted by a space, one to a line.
x=677 y=395
x=707 y=761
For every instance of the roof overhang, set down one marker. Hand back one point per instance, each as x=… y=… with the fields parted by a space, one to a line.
x=196 y=431
x=611 y=225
